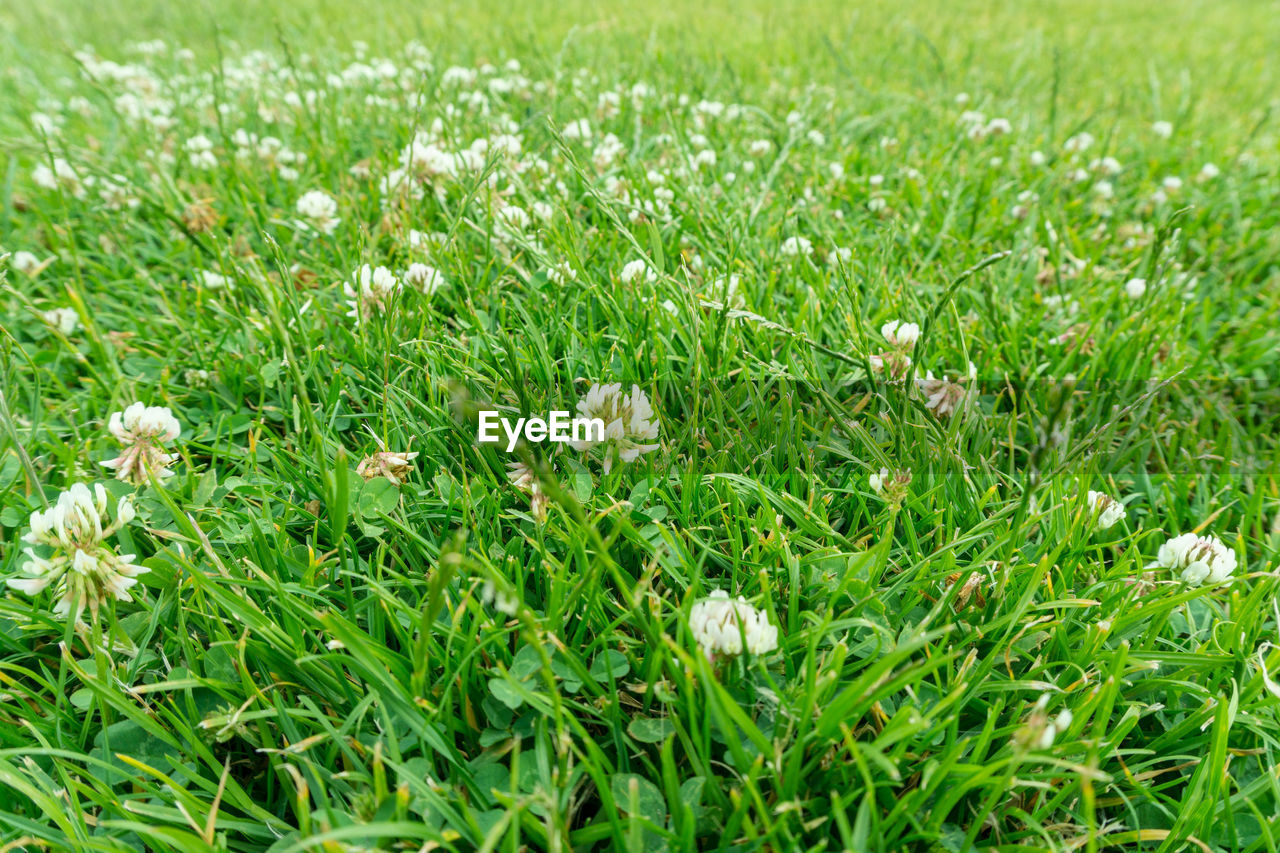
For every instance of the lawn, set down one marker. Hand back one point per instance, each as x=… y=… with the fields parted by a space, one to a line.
x=936 y=500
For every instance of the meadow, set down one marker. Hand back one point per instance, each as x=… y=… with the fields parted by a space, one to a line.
x=938 y=502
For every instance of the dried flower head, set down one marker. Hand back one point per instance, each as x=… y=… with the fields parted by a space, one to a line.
x=944 y=397
x=393 y=465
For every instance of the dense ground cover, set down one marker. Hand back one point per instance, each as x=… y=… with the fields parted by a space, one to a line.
x=944 y=338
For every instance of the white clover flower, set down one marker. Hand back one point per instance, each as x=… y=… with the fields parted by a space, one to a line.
x=628 y=423
x=143 y=431
x=577 y=129
x=1040 y=731
x=28 y=264
x=199 y=150
x=760 y=148
x=840 y=256
x=637 y=269
x=426 y=278
x=525 y=479
x=214 y=281
x=561 y=273
x=393 y=465
x=83 y=569
x=1208 y=172
x=944 y=397
x=900 y=334
x=1080 y=142
x=1199 y=559
x=721 y=624
x=998 y=127
x=373 y=291
x=726 y=292
x=1106 y=509
x=1162 y=129
x=498 y=599
x=1106 y=165
x=320 y=210
x=65 y=320
x=1135 y=287
x=60 y=176
x=796 y=246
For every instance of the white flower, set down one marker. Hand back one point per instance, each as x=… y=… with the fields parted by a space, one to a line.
x=900 y=334
x=561 y=273
x=1107 y=509
x=840 y=256
x=83 y=569
x=143 y=431
x=876 y=480
x=628 y=422
x=65 y=320
x=1135 y=287
x=394 y=465
x=725 y=291
x=795 y=246
x=1039 y=731
x=998 y=127
x=200 y=152
x=945 y=397
x=1199 y=559
x=373 y=291
x=28 y=264
x=577 y=129
x=426 y=278
x=1162 y=129
x=213 y=280
x=1208 y=172
x=499 y=600
x=1080 y=142
x=721 y=624
x=637 y=269
x=320 y=209
x=60 y=176
x=760 y=148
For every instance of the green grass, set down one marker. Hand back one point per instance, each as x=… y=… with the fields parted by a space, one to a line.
x=316 y=661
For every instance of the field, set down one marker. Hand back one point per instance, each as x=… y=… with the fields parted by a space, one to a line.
x=937 y=501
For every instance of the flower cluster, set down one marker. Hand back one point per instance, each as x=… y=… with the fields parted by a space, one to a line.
x=143 y=431
x=319 y=210
x=725 y=626
x=629 y=422
x=890 y=485
x=1107 y=511
x=393 y=465
x=371 y=291
x=901 y=338
x=1197 y=559
x=83 y=569
x=944 y=397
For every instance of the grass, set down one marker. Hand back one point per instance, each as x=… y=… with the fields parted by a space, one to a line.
x=316 y=661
